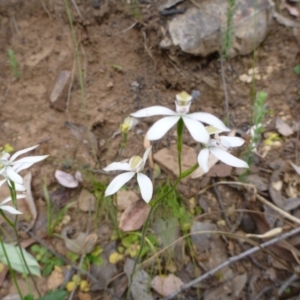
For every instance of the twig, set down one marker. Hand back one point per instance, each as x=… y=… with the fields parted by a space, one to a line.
x=77 y=9
x=126 y=29
x=229 y=225
x=232 y=260
x=70 y=86
x=260 y=198
x=262 y=292
x=277 y=209
x=225 y=90
x=287 y=283
x=147 y=49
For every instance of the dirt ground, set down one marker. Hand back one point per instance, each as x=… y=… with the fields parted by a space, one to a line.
x=124 y=70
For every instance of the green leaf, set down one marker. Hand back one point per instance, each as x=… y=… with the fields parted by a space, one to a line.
x=130 y=239
x=48 y=269
x=29 y=297
x=55 y=295
x=72 y=256
x=16 y=260
x=297 y=69
x=35 y=248
x=57 y=262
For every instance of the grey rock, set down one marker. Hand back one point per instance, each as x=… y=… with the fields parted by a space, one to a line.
x=198 y=31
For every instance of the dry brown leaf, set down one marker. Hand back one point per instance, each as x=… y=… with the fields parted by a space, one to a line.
x=296 y=168
x=55 y=279
x=275 y=187
x=293 y=11
x=65 y=179
x=84 y=243
x=27 y=205
x=220 y=170
x=134 y=216
x=147 y=144
x=125 y=198
x=283 y=128
x=86 y=201
x=166 y=285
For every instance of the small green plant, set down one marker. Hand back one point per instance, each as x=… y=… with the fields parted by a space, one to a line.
x=131 y=243
x=55 y=295
x=54 y=219
x=227 y=34
x=92 y=258
x=297 y=69
x=46 y=258
x=259 y=112
x=13 y=63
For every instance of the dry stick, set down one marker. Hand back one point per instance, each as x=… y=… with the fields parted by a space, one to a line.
x=77 y=9
x=260 y=198
x=126 y=29
x=232 y=260
x=70 y=85
x=225 y=90
x=147 y=49
x=229 y=225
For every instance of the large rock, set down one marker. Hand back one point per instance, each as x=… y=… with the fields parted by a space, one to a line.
x=198 y=31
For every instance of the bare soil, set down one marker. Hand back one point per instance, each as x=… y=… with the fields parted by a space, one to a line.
x=124 y=70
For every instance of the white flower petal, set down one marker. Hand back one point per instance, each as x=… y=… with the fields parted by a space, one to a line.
x=10 y=209
x=118 y=166
x=228 y=159
x=232 y=141
x=20 y=187
x=14 y=176
x=146 y=186
x=203 y=159
x=22 y=152
x=118 y=182
x=196 y=129
x=209 y=119
x=146 y=154
x=160 y=128
x=27 y=162
x=9 y=199
x=153 y=111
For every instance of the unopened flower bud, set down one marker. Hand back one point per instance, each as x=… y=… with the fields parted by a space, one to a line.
x=183 y=102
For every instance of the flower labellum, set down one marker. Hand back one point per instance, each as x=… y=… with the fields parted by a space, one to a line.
x=128 y=124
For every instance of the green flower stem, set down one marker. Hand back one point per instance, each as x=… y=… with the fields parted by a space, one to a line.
x=123 y=145
x=12 y=272
x=153 y=206
x=13 y=195
x=180 y=126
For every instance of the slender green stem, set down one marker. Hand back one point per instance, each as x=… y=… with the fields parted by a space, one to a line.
x=12 y=272
x=123 y=145
x=13 y=194
x=153 y=206
x=180 y=126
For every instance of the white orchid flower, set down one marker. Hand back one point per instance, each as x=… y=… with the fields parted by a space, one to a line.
x=134 y=166
x=9 y=208
x=192 y=121
x=9 y=167
x=218 y=147
x=128 y=124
